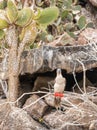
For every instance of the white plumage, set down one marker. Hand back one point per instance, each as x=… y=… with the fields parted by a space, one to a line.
x=59 y=86
x=60 y=82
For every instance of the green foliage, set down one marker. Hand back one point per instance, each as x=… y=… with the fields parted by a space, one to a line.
x=64 y=14
x=82 y=22
x=2 y=34
x=3 y=4
x=48 y=15
x=30 y=31
x=12 y=11
x=3 y=24
x=24 y=17
x=90 y=25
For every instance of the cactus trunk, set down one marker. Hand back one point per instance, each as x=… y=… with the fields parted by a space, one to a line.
x=13 y=84
x=13 y=66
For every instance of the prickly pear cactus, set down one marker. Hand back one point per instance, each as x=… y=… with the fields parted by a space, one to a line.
x=29 y=33
x=24 y=17
x=12 y=11
x=48 y=15
x=2 y=34
x=3 y=24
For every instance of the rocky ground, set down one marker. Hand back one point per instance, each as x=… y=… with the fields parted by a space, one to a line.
x=78 y=108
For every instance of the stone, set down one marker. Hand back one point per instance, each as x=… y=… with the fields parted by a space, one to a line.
x=74 y=99
x=36 y=110
x=93 y=125
x=48 y=58
x=64 y=39
x=82 y=40
x=25 y=87
x=67 y=100
x=78 y=114
x=73 y=127
x=93 y=99
x=80 y=83
x=18 y=119
x=64 y=100
x=50 y=100
x=2 y=95
x=87 y=36
x=93 y=2
x=42 y=83
x=58 y=120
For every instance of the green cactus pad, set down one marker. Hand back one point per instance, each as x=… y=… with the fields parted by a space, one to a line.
x=48 y=15
x=82 y=22
x=24 y=17
x=2 y=34
x=12 y=11
x=3 y=4
x=29 y=30
x=90 y=25
x=3 y=24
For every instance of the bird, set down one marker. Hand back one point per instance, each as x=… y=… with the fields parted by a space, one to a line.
x=59 y=86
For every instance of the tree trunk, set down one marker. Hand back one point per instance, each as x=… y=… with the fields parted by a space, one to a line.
x=13 y=66
x=13 y=84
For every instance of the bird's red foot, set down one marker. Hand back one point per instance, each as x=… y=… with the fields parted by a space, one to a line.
x=58 y=94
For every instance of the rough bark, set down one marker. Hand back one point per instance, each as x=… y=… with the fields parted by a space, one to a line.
x=13 y=66
x=13 y=84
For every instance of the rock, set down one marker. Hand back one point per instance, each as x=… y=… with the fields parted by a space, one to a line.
x=90 y=14
x=1 y=91
x=25 y=87
x=64 y=39
x=49 y=58
x=2 y=101
x=93 y=125
x=78 y=114
x=82 y=40
x=68 y=100
x=93 y=99
x=36 y=110
x=18 y=119
x=42 y=83
x=60 y=121
x=88 y=35
x=80 y=83
x=93 y=2
x=73 y=127
x=54 y=119
x=87 y=12
x=50 y=100
x=74 y=99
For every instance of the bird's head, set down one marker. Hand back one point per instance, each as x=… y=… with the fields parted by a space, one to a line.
x=58 y=71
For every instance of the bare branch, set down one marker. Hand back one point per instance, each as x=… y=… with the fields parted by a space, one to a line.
x=76 y=80
x=84 y=75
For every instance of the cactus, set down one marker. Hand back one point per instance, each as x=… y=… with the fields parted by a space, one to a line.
x=3 y=24
x=31 y=31
x=12 y=11
x=82 y=22
x=48 y=15
x=3 y=4
x=2 y=34
x=24 y=17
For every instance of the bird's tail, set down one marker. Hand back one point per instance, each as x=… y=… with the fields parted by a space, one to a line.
x=57 y=101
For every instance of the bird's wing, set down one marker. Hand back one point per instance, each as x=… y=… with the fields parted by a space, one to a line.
x=59 y=88
x=60 y=80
